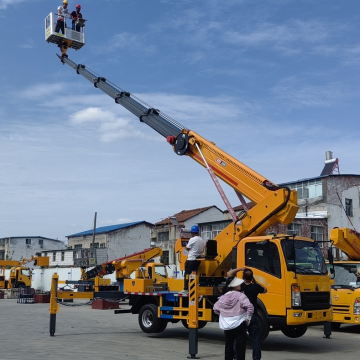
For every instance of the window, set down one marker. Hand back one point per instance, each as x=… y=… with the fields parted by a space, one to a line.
x=2 y=255
x=348 y=207
x=28 y=241
x=317 y=234
x=69 y=247
x=54 y=256
x=163 y=236
x=62 y=255
x=41 y=241
x=96 y=245
x=263 y=256
x=102 y=245
x=164 y=259
x=308 y=189
x=294 y=229
x=78 y=246
x=2 y=242
x=210 y=231
x=25 y=272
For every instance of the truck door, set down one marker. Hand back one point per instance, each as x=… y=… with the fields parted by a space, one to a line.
x=264 y=258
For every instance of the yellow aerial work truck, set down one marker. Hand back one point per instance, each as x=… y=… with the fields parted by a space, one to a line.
x=292 y=268
x=19 y=275
x=345 y=292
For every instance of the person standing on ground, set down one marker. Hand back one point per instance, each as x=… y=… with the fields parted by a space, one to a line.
x=235 y=311
x=195 y=248
x=63 y=12
x=251 y=289
x=74 y=16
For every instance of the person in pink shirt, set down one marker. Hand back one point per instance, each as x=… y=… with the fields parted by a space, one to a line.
x=235 y=311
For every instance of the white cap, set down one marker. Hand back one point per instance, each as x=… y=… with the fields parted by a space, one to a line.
x=236 y=282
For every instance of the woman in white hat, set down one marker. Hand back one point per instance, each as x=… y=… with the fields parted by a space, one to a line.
x=235 y=312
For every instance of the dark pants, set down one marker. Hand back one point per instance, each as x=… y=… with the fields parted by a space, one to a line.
x=254 y=335
x=76 y=27
x=60 y=26
x=190 y=266
x=237 y=336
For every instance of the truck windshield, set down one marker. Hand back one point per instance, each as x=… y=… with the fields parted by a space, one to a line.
x=347 y=275
x=305 y=255
x=25 y=272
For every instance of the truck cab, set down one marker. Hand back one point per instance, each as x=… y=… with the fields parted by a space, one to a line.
x=345 y=293
x=19 y=276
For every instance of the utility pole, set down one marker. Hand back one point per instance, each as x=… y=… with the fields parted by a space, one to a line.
x=93 y=241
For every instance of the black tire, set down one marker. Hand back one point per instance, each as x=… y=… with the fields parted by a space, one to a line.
x=294 y=331
x=201 y=324
x=148 y=319
x=52 y=333
x=162 y=326
x=264 y=327
x=335 y=325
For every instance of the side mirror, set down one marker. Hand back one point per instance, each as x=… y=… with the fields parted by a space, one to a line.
x=330 y=256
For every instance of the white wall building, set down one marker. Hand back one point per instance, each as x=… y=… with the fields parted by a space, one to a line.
x=24 y=247
x=120 y=240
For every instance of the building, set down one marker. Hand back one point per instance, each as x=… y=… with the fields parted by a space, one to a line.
x=210 y=220
x=120 y=240
x=66 y=257
x=17 y=248
x=324 y=202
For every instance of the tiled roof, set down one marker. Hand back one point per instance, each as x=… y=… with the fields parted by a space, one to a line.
x=184 y=215
x=106 y=229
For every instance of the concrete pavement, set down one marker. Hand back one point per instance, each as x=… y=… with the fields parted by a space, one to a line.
x=83 y=333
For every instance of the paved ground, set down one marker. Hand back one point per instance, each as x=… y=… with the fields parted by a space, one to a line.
x=83 y=333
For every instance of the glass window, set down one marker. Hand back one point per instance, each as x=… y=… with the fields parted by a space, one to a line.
x=348 y=207
x=54 y=256
x=25 y=272
x=294 y=229
x=2 y=255
x=28 y=241
x=308 y=189
x=62 y=256
x=317 y=234
x=2 y=242
x=96 y=245
x=210 y=231
x=163 y=236
x=164 y=259
x=263 y=256
x=346 y=274
x=102 y=245
x=78 y=246
x=160 y=270
x=305 y=255
x=41 y=241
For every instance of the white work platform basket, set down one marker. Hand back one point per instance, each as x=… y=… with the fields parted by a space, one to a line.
x=77 y=38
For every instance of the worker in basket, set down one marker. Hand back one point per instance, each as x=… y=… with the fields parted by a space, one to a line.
x=63 y=12
x=75 y=15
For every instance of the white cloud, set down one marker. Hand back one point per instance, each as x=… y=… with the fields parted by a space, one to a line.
x=5 y=3
x=109 y=125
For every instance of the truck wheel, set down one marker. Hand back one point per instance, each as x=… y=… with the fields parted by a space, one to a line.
x=294 y=331
x=201 y=324
x=148 y=319
x=264 y=327
x=162 y=326
x=335 y=325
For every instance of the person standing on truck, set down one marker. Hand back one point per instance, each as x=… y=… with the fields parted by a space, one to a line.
x=63 y=12
x=74 y=16
x=251 y=289
x=195 y=248
x=235 y=311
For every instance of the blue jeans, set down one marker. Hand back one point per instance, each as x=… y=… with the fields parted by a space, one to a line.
x=254 y=334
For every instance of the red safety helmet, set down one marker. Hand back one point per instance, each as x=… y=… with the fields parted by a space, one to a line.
x=78 y=6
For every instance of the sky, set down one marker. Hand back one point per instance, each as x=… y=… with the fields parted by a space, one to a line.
x=274 y=83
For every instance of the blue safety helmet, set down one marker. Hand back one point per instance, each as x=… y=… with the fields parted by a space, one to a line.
x=195 y=229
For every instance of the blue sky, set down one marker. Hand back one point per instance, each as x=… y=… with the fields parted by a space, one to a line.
x=274 y=83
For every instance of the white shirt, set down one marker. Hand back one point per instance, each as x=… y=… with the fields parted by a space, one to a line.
x=63 y=12
x=197 y=247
